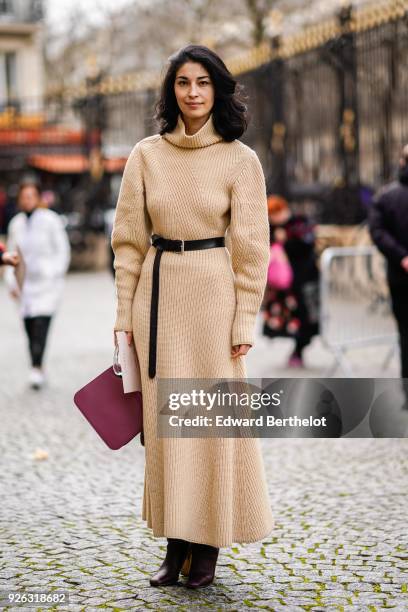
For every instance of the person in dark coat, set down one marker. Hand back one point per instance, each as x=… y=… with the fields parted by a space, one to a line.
x=388 y=223
x=293 y=312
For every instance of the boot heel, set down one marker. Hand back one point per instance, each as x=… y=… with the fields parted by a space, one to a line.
x=185 y=570
x=204 y=561
x=168 y=572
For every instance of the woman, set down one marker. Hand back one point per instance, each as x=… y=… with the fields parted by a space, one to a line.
x=293 y=313
x=190 y=182
x=43 y=243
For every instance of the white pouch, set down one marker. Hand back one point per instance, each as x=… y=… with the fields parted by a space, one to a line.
x=129 y=364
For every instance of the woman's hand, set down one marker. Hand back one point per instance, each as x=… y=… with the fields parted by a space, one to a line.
x=240 y=349
x=129 y=337
x=15 y=293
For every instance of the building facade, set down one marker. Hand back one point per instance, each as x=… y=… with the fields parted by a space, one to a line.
x=21 y=54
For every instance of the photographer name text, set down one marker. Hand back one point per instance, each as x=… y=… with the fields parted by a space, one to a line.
x=259 y=421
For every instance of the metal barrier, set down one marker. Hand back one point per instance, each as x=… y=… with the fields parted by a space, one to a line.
x=355 y=308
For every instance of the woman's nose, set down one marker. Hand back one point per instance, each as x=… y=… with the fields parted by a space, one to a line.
x=193 y=91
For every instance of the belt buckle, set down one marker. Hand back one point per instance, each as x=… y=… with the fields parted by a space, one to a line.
x=182 y=247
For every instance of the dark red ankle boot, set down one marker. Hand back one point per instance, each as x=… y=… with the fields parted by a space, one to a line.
x=168 y=572
x=203 y=562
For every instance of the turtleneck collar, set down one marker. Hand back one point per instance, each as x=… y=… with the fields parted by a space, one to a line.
x=205 y=136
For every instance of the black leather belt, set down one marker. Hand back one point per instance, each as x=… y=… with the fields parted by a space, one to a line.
x=178 y=246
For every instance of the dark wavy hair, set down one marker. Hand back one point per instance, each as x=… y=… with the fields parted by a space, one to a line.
x=230 y=112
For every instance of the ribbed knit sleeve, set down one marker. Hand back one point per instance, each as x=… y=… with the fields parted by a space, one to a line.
x=130 y=237
x=249 y=239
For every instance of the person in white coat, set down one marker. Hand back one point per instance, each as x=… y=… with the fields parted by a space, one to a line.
x=40 y=236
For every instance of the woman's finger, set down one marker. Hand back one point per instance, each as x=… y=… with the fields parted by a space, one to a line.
x=241 y=349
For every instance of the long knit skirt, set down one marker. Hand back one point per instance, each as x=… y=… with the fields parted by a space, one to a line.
x=206 y=490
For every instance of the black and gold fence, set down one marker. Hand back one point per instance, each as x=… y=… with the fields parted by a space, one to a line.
x=328 y=105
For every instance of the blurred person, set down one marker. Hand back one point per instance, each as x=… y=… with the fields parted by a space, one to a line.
x=181 y=190
x=49 y=200
x=44 y=246
x=388 y=223
x=7 y=258
x=292 y=312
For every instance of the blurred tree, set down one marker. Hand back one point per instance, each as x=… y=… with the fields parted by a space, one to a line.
x=60 y=44
x=141 y=35
x=258 y=10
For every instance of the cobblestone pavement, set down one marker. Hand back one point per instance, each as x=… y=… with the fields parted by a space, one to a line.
x=71 y=520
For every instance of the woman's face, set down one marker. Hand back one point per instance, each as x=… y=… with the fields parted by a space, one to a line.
x=194 y=90
x=29 y=198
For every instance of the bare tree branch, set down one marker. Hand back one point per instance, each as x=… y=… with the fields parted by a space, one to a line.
x=258 y=10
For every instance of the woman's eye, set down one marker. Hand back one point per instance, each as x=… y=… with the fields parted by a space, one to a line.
x=200 y=83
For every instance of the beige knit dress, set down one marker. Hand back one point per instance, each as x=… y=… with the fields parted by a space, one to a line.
x=206 y=490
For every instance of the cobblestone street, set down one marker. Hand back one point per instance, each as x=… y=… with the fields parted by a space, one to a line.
x=70 y=516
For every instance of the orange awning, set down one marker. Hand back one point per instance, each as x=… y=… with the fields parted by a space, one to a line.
x=115 y=164
x=72 y=164
x=43 y=136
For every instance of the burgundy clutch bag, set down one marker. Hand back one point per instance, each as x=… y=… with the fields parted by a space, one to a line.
x=116 y=416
